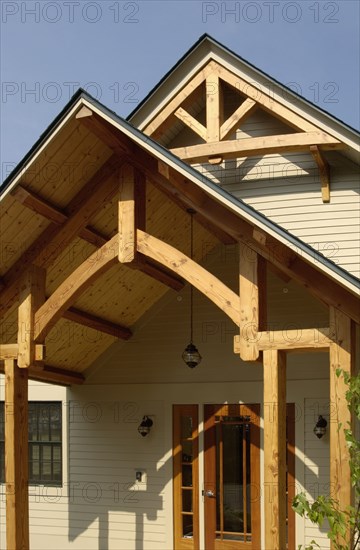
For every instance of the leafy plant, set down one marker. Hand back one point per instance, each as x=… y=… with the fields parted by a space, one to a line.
x=327 y=508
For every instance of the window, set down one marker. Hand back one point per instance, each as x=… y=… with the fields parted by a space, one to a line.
x=45 y=443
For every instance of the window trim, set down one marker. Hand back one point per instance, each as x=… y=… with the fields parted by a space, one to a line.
x=43 y=482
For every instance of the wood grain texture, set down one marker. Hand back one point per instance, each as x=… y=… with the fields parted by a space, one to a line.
x=16 y=456
x=275 y=449
x=249 y=303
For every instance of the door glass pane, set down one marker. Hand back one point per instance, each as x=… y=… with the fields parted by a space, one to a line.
x=187 y=526
x=186 y=427
x=187 y=500
x=187 y=451
x=233 y=502
x=187 y=475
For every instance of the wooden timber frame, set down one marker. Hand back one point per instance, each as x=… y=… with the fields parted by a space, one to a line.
x=134 y=246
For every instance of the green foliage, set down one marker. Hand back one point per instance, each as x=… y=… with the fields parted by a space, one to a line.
x=327 y=508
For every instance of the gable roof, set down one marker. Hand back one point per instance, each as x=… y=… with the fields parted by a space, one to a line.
x=237 y=205
x=207 y=48
x=98 y=140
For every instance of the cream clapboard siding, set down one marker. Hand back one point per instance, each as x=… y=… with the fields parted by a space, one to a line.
x=286 y=189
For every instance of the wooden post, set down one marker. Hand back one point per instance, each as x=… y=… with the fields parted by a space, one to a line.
x=340 y=416
x=275 y=449
x=16 y=456
x=249 y=303
x=31 y=298
x=131 y=212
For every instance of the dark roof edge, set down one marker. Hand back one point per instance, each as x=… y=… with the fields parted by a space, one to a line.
x=43 y=136
x=183 y=166
x=253 y=67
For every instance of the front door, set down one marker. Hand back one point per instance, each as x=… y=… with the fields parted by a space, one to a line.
x=232 y=477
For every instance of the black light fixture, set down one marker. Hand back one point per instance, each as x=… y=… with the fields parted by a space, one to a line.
x=320 y=427
x=191 y=355
x=145 y=426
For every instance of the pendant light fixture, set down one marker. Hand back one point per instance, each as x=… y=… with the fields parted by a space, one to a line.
x=190 y=355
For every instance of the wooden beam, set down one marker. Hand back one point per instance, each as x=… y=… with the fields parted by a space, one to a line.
x=164 y=172
x=303 y=339
x=32 y=295
x=95 y=123
x=275 y=449
x=188 y=269
x=213 y=108
x=96 y=323
x=54 y=214
x=162 y=120
x=69 y=290
x=157 y=272
x=265 y=99
x=16 y=456
x=286 y=260
x=52 y=375
x=131 y=211
x=257 y=146
x=249 y=303
x=11 y=351
x=191 y=122
x=105 y=189
x=324 y=171
x=340 y=416
x=58 y=236
x=237 y=118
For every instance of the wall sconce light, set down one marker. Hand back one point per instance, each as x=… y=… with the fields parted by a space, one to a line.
x=320 y=427
x=145 y=426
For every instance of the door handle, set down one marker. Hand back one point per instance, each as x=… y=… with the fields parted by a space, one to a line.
x=208 y=493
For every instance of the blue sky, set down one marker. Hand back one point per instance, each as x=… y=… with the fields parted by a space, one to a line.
x=119 y=50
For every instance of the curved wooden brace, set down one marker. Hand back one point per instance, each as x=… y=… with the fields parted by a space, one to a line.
x=66 y=294
x=182 y=265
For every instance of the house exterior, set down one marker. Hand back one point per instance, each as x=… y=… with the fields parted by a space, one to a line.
x=225 y=211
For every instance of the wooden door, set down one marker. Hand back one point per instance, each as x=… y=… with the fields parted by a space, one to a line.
x=232 y=477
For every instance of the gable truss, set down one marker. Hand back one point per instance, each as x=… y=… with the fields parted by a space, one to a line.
x=215 y=133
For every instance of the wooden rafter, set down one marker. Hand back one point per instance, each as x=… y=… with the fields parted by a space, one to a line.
x=162 y=120
x=54 y=214
x=264 y=99
x=257 y=146
x=191 y=122
x=66 y=294
x=196 y=275
x=239 y=116
x=324 y=171
x=52 y=240
x=53 y=375
x=96 y=323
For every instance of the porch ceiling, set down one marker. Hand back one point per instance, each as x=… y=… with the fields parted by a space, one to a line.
x=63 y=206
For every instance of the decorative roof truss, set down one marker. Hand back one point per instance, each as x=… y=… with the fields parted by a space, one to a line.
x=218 y=129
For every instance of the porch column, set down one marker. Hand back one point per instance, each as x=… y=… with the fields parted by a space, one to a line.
x=16 y=456
x=341 y=357
x=275 y=449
